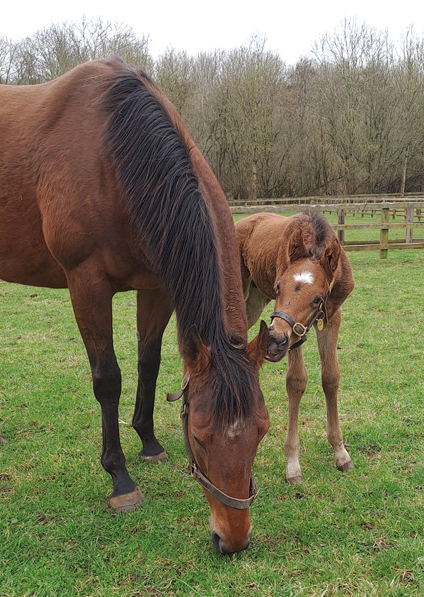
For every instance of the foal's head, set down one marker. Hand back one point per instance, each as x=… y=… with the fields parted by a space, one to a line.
x=304 y=281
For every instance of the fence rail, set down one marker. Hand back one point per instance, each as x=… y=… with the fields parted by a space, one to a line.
x=409 y=208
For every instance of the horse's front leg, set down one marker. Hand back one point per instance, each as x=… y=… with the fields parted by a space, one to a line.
x=330 y=375
x=296 y=379
x=91 y=297
x=153 y=313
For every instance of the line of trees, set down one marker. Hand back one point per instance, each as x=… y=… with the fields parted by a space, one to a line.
x=347 y=120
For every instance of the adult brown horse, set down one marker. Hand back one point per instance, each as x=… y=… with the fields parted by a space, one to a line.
x=299 y=263
x=102 y=190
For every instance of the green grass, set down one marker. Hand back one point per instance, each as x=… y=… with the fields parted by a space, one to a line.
x=359 y=533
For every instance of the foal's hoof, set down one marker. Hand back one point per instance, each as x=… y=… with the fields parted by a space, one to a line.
x=3 y=440
x=295 y=480
x=154 y=459
x=127 y=501
x=346 y=466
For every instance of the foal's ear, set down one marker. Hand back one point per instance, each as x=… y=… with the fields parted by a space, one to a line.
x=296 y=247
x=195 y=354
x=332 y=256
x=257 y=348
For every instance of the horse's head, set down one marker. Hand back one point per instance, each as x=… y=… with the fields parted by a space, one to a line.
x=304 y=282
x=222 y=433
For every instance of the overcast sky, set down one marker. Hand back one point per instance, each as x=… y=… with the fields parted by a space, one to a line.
x=290 y=27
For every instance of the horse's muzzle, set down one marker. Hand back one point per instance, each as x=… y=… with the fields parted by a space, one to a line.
x=221 y=546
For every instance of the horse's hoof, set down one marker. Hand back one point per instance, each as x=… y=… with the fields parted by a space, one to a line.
x=127 y=501
x=295 y=480
x=3 y=440
x=154 y=459
x=346 y=466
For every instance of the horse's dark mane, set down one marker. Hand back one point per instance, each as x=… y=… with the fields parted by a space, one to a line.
x=160 y=186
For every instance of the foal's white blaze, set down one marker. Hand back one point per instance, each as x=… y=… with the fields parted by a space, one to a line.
x=304 y=277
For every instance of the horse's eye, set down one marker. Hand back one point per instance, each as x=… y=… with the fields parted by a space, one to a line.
x=198 y=443
x=317 y=300
x=278 y=288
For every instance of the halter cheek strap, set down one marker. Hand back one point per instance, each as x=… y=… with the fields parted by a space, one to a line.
x=238 y=504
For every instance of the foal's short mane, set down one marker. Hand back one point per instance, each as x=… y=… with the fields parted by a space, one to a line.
x=317 y=232
x=150 y=150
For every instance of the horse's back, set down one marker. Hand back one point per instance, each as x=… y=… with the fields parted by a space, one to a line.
x=55 y=194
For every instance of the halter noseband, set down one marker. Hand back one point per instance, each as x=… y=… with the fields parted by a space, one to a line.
x=238 y=504
x=320 y=317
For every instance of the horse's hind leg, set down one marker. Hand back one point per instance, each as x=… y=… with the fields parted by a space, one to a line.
x=153 y=313
x=91 y=296
x=330 y=375
x=296 y=379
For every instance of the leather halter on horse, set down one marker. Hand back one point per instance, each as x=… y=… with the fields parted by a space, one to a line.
x=320 y=317
x=238 y=504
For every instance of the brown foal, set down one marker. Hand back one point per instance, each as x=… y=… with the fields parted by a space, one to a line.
x=298 y=262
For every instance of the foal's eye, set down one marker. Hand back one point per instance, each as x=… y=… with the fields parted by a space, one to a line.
x=317 y=300
x=198 y=443
x=278 y=288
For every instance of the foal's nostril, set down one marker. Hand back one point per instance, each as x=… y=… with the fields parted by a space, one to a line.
x=283 y=341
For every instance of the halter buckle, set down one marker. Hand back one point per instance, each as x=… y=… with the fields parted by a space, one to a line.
x=299 y=329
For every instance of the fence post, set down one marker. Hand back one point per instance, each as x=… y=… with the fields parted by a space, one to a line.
x=340 y=221
x=384 y=232
x=409 y=220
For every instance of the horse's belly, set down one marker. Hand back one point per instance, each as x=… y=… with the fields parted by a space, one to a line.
x=25 y=257
x=33 y=272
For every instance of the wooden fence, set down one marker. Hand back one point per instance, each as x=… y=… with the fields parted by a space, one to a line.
x=409 y=210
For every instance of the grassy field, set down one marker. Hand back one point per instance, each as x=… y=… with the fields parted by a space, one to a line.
x=358 y=534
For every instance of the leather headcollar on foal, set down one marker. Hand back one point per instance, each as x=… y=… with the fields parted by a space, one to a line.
x=238 y=504
x=319 y=317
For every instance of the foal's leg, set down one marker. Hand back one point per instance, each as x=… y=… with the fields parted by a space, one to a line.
x=91 y=296
x=296 y=379
x=330 y=375
x=153 y=313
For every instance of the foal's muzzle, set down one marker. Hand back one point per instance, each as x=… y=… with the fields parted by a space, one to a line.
x=278 y=346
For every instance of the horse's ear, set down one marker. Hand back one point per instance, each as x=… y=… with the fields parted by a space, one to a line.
x=296 y=247
x=195 y=354
x=257 y=348
x=332 y=256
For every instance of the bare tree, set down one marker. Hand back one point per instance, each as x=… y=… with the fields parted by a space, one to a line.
x=174 y=73
x=409 y=88
x=7 y=58
x=355 y=66
x=56 y=49
x=243 y=119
